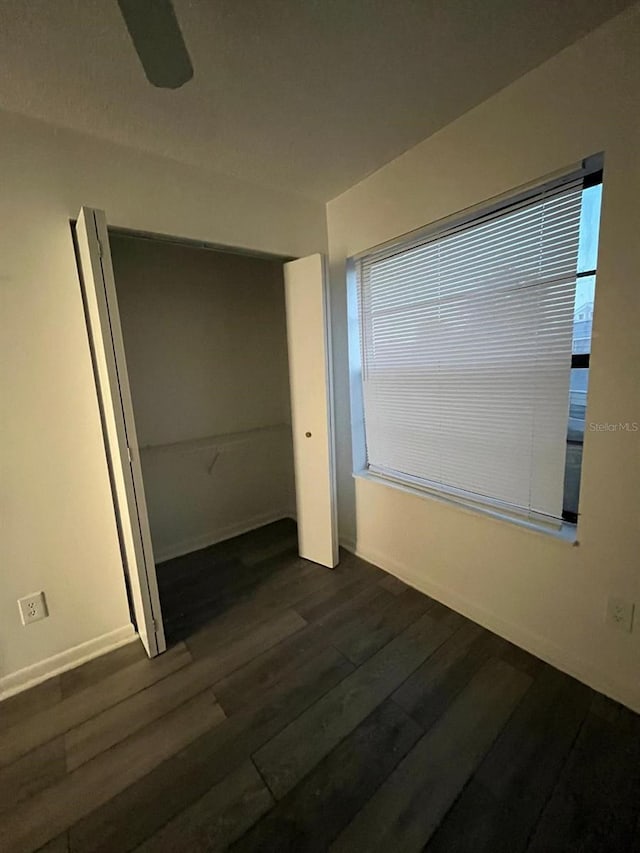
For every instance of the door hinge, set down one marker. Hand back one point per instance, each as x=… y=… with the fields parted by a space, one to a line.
x=100 y=249
x=129 y=453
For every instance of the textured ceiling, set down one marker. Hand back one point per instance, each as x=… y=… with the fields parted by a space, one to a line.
x=305 y=95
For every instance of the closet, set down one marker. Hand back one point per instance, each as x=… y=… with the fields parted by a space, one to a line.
x=212 y=370
x=206 y=348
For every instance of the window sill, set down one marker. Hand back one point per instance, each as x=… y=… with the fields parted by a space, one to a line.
x=566 y=533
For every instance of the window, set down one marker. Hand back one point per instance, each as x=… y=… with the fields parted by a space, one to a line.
x=475 y=342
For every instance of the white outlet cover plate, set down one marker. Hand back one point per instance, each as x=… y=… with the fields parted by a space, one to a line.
x=33 y=608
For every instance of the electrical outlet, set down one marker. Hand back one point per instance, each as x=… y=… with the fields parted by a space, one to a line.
x=620 y=613
x=33 y=608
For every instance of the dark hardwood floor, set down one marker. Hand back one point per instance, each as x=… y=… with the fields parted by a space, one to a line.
x=301 y=709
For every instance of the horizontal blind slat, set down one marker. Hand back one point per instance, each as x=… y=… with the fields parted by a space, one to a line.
x=466 y=353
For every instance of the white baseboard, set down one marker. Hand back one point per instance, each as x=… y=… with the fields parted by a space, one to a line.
x=186 y=546
x=21 y=680
x=348 y=545
x=535 y=644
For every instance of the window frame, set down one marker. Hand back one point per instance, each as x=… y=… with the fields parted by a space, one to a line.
x=581 y=361
x=590 y=171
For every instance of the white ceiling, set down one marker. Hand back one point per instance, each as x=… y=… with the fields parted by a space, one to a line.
x=305 y=95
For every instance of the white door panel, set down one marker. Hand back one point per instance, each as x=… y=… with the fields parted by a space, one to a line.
x=112 y=381
x=311 y=414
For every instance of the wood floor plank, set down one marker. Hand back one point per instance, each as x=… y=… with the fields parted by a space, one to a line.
x=268 y=631
x=32 y=773
x=20 y=707
x=204 y=574
x=259 y=553
x=295 y=583
x=298 y=586
x=313 y=813
x=357 y=567
x=187 y=776
x=512 y=654
x=90 y=673
x=606 y=708
x=114 y=724
x=56 y=845
x=214 y=569
x=432 y=687
x=74 y=710
x=218 y=818
x=594 y=806
x=340 y=612
x=193 y=603
x=279 y=537
x=237 y=690
x=291 y=754
x=534 y=745
x=394 y=585
x=229 y=551
x=476 y=825
x=279 y=594
x=377 y=627
x=205 y=595
x=498 y=810
x=635 y=843
x=329 y=600
x=407 y=808
x=47 y=814
x=220 y=580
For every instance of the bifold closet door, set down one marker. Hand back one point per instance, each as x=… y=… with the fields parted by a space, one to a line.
x=311 y=412
x=112 y=381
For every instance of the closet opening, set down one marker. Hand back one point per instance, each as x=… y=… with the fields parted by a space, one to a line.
x=205 y=342
x=213 y=395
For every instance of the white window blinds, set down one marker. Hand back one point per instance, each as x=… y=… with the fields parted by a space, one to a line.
x=466 y=355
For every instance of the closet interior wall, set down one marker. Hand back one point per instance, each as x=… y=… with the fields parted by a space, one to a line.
x=206 y=350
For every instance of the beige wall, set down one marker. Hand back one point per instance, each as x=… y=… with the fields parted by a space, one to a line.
x=544 y=594
x=206 y=348
x=58 y=527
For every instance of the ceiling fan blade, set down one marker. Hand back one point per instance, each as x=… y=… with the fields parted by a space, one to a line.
x=156 y=36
